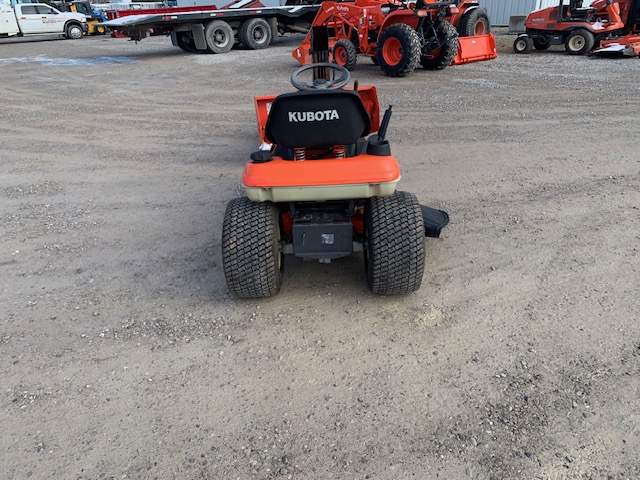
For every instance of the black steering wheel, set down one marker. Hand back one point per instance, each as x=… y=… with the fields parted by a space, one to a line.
x=320 y=83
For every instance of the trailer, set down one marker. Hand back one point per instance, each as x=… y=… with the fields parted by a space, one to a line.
x=253 y=23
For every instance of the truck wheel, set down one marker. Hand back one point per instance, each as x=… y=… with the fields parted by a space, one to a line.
x=252 y=257
x=345 y=54
x=394 y=244
x=446 y=48
x=255 y=34
x=523 y=44
x=73 y=31
x=398 y=50
x=579 y=42
x=474 y=22
x=219 y=36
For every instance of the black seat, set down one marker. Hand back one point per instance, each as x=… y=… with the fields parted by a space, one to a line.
x=316 y=119
x=576 y=11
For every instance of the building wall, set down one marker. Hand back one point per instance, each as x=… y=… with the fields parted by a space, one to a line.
x=501 y=10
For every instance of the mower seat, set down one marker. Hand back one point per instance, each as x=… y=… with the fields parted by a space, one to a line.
x=317 y=119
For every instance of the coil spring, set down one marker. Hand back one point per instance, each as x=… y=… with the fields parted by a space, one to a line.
x=300 y=154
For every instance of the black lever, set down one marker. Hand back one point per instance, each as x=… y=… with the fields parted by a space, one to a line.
x=382 y=131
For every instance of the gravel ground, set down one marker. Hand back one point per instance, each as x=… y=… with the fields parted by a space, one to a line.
x=123 y=355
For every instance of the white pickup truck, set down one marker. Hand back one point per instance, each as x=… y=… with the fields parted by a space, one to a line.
x=39 y=18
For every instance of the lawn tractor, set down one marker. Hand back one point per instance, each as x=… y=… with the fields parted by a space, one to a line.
x=399 y=35
x=320 y=190
x=580 y=29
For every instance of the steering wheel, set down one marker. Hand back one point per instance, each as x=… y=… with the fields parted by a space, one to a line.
x=320 y=83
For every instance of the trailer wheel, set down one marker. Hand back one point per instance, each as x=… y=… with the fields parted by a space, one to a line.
x=398 y=50
x=73 y=31
x=252 y=256
x=523 y=44
x=219 y=36
x=345 y=54
x=474 y=22
x=394 y=244
x=255 y=34
x=579 y=42
x=541 y=43
x=440 y=51
x=185 y=42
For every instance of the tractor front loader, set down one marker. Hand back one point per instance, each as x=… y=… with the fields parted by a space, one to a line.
x=400 y=36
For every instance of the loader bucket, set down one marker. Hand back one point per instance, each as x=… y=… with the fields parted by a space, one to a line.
x=476 y=49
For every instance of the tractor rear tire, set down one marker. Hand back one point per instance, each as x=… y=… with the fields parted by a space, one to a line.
x=442 y=57
x=579 y=42
x=398 y=50
x=474 y=22
x=252 y=257
x=219 y=36
x=345 y=54
x=255 y=34
x=394 y=244
x=523 y=44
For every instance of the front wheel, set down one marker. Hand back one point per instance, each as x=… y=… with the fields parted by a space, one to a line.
x=440 y=50
x=579 y=42
x=74 y=31
x=252 y=256
x=523 y=44
x=394 y=244
x=345 y=54
x=398 y=50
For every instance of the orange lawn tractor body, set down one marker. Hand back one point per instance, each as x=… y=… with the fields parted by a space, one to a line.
x=579 y=29
x=400 y=36
x=320 y=190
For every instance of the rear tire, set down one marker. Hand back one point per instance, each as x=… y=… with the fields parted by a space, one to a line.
x=579 y=42
x=441 y=57
x=345 y=54
x=523 y=44
x=474 y=22
x=219 y=36
x=252 y=257
x=394 y=244
x=74 y=31
x=255 y=34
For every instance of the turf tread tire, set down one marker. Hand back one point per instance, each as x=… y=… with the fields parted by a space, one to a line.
x=395 y=244
x=410 y=41
x=589 y=41
x=447 y=34
x=251 y=256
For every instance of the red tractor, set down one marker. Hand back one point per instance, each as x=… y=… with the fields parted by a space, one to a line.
x=579 y=29
x=399 y=36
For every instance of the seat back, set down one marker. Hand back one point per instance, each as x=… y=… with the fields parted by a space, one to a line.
x=315 y=119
